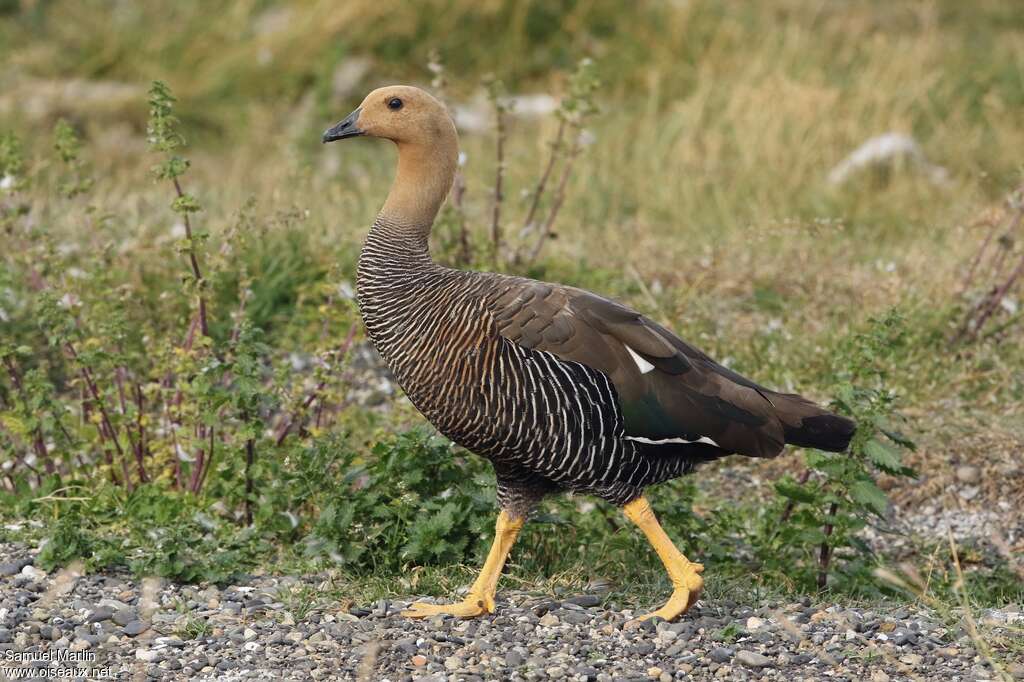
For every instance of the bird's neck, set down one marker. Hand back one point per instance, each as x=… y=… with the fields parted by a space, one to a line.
x=395 y=267
x=424 y=177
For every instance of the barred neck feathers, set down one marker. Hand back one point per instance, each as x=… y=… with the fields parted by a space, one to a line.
x=428 y=149
x=397 y=280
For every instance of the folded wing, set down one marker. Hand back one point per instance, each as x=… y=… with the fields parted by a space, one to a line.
x=668 y=390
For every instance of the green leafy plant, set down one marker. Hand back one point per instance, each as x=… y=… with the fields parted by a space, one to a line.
x=838 y=495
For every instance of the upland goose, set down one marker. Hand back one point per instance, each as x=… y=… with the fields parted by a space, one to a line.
x=559 y=388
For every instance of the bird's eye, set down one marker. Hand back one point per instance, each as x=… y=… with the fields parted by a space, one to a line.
x=394 y=104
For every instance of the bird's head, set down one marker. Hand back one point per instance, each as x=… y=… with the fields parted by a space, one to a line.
x=400 y=113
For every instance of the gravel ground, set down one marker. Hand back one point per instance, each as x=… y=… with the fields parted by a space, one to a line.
x=280 y=628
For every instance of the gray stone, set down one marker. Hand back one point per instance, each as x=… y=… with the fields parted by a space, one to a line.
x=752 y=659
x=135 y=628
x=124 y=616
x=721 y=654
x=10 y=568
x=100 y=614
x=575 y=617
x=584 y=600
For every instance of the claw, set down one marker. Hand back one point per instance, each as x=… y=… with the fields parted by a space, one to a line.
x=471 y=607
x=682 y=599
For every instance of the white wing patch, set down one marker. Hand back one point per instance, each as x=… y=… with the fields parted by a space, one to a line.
x=641 y=364
x=663 y=441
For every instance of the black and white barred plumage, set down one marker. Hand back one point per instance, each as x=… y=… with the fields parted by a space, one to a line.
x=546 y=423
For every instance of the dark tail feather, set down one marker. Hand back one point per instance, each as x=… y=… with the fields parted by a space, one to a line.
x=808 y=426
x=825 y=431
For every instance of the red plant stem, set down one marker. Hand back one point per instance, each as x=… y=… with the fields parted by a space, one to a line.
x=977 y=258
x=976 y=317
x=197 y=467
x=319 y=413
x=286 y=429
x=38 y=442
x=105 y=424
x=119 y=376
x=556 y=202
x=499 y=197
x=538 y=191
x=826 y=550
x=196 y=272
x=458 y=197
x=139 y=423
x=179 y=478
x=209 y=463
x=250 y=458
x=997 y=297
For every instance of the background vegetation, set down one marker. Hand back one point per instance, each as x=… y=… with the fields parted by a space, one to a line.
x=186 y=390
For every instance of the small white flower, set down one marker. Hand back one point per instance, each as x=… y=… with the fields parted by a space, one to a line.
x=1009 y=304
x=345 y=290
x=178 y=230
x=69 y=300
x=7 y=182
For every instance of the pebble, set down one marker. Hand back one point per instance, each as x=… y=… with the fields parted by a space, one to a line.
x=32 y=573
x=124 y=616
x=100 y=614
x=10 y=568
x=135 y=628
x=586 y=600
x=574 y=637
x=752 y=659
x=968 y=474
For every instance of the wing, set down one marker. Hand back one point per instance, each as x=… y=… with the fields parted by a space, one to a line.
x=667 y=389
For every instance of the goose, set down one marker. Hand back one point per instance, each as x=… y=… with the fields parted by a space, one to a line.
x=560 y=388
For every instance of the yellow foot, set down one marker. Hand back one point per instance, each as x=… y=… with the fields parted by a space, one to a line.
x=683 y=597
x=471 y=607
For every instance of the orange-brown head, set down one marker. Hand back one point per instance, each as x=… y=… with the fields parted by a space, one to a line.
x=400 y=113
x=428 y=147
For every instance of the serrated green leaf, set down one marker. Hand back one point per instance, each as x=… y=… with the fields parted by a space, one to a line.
x=866 y=493
x=795 y=492
x=899 y=438
x=882 y=456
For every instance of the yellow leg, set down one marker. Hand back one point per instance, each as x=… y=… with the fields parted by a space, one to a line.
x=686 y=582
x=480 y=599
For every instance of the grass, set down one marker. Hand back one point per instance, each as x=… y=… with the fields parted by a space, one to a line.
x=701 y=199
